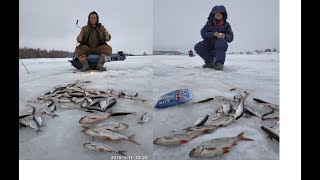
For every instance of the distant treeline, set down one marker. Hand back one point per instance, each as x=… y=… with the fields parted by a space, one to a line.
x=26 y=53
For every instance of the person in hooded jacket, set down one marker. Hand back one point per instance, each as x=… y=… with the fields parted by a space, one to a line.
x=92 y=39
x=216 y=34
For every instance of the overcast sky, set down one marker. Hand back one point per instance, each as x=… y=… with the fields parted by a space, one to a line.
x=177 y=23
x=51 y=24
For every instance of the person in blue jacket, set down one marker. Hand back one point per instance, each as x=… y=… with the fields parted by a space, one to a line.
x=217 y=33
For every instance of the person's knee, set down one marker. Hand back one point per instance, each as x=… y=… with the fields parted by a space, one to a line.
x=198 y=47
x=81 y=50
x=106 y=49
x=221 y=44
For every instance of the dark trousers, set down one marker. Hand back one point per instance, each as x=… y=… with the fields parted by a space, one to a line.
x=212 y=51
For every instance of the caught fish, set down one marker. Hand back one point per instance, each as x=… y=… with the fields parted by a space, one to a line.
x=53 y=107
x=271 y=117
x=227 y=108
x=222 y=98
x=94 y=118
x=259 y=111
x=236 y=98
x=38 y=119
x=144 y=118
x=271 y=132
x=108 y=135
x=232 y=89
x=112 y=126
x=48 y=113
x=103 y=104
x=24 y=115
x=200 y=121
x=110 y=102
x=204 y=128
x=240 y=109
x=77 y=94
x=64 y=100
x=102 y=148
x=222 y=120
x=30 y=109
x=177 y=139
x=84 y=104
x=49 y=103
x=30 y=123
x=122 y=113
x=216 y=147
x=205 y=100
x=273 y=106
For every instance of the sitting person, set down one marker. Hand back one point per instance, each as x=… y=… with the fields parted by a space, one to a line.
x=92 y=39
x=217 y=33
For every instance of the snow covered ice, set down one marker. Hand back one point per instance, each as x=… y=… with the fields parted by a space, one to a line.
x=258 y=74
x=151 y=77
x=62 y=138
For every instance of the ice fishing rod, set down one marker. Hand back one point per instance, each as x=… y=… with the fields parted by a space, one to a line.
x=24 y=65
x=74 y=55
x=77 y=24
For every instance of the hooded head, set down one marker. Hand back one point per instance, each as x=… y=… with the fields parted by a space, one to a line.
x=93 y=18
x=221 y=9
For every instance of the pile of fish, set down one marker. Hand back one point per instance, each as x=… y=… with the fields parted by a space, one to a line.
x=107 y=131
x=229 y=111
x=97 y=103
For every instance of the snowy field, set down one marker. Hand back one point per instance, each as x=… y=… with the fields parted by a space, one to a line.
x=151 y=77
x=61 y=137
x=258 y=74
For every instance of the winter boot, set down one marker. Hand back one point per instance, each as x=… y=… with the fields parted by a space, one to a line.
x=101 y=62
x=219 y=67
x=211 y=65
x=85 y=65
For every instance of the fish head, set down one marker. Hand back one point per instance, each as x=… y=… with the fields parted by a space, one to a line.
x=196 y=152
x=125 y=126
x=86 y=145
x=159 y=140
x=84 y=128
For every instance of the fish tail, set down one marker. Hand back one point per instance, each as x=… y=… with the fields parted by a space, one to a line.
x=130 y=138
x=122 y=153
x=241 y=137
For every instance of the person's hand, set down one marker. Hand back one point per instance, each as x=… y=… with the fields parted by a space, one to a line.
x=79 y=39
x=221 y=35
x=216 y=34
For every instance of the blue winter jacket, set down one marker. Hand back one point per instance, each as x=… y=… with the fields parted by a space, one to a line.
x=210 y=27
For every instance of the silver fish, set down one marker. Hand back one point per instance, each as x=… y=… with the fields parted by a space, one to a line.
x=53 y=107
x=177 y=139
x=30 y=109
x=259 y=111
x=64 y=100
x=222 y=120
x=112 y=126
x=108 y=135
x=30 y=123
x=216 y=147
x=271 y=132
x=49 y=103
x=204 y=128
x=38 y=119
x=102 y=148
x=48 y=113
x=94 y=118
x=144 y=118
x=200 y=121
x=227 y=108
x=240 y=109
